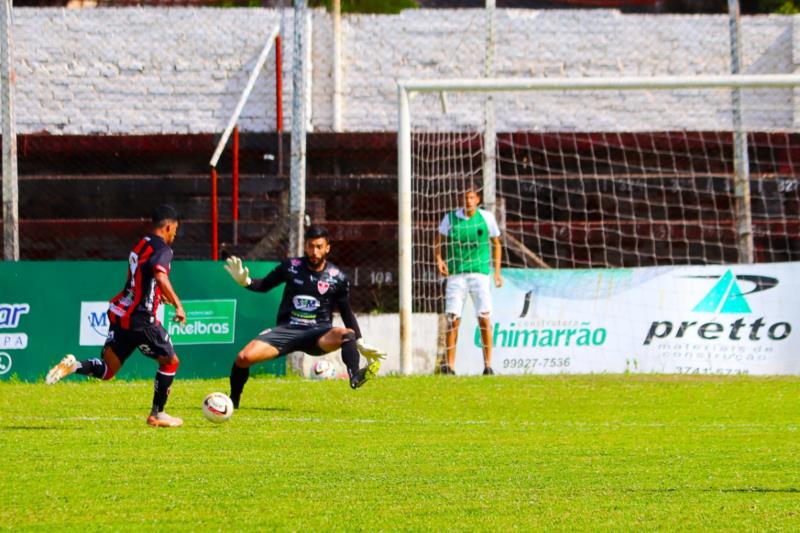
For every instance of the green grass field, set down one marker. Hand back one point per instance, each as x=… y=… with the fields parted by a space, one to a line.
x=423 y=453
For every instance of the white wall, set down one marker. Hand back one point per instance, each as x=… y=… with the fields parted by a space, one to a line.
x=140 y=70
x=133 y=70
x=383 y=331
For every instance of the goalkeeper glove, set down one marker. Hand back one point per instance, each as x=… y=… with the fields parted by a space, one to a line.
x=370 y=353
x=239 y=272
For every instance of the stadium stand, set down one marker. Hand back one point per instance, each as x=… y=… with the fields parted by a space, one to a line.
x=112 y=172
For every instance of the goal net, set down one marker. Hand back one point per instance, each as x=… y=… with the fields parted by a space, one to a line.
x=599 y=173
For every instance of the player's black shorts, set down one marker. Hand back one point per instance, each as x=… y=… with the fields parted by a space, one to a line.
x=288 y=339
x=153 y=341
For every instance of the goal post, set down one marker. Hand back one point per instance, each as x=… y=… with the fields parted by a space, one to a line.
x=613 y=148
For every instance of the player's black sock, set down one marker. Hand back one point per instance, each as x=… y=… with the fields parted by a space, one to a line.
x=161 y=387
x=350 y=356
x=92 y=367
x=239 y=377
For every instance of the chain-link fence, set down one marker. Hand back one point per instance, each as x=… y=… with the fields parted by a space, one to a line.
x=118 y=109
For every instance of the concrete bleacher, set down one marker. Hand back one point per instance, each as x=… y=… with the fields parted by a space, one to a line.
x=111 y=209
x=96 y=209
x=88 y=197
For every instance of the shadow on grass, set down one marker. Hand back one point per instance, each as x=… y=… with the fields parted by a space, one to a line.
x=33 y=428
x=263 y=409
x=753 y=490
x=788 y=490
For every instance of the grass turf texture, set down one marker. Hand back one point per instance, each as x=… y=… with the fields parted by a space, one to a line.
x=422 y=453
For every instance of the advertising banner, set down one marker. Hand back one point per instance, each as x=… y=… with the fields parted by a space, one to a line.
x=48 y=309
x=734 y=319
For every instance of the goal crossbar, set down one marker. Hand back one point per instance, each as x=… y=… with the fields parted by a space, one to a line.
x=740 y=81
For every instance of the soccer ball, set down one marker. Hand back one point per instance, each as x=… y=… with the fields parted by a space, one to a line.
x=323 y=369
x=217 y=408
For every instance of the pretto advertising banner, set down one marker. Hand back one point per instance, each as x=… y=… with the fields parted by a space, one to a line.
x=739 y=319
x=48 y=309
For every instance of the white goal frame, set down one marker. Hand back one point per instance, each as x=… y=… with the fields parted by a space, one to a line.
x=406 y=89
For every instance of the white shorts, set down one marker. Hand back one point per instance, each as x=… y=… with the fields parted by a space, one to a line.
x=477 y=285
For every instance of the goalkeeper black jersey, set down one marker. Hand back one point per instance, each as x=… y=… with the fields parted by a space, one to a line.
x=309 y=297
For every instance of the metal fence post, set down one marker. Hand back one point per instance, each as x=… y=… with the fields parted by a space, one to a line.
x=297 y=187
x=741 y=161
x=489 y=126
x=10 y=185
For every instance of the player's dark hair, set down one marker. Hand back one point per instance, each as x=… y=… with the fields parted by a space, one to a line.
x=315 y=232
x=163 y=214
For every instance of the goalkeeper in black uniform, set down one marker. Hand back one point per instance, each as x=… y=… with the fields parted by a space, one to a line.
x=314 y=286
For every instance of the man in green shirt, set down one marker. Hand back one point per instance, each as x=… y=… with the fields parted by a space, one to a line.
x=472 y=242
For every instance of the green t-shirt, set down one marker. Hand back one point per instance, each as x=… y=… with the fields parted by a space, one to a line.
x=468 y=241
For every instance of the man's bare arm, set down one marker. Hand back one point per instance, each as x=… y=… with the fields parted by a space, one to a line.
x=170 y=296
x=498 y=254
x=441 y=264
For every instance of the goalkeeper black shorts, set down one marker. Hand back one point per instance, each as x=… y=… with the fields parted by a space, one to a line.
x=288 y=339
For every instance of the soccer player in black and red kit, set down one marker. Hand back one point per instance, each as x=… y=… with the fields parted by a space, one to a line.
x=314 y=287
x=132 y=318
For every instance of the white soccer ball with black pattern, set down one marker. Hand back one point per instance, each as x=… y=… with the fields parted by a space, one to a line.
x=217 y=408
x=322 y=370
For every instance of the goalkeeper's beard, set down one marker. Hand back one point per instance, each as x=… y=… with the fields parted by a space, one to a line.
x=316 y=262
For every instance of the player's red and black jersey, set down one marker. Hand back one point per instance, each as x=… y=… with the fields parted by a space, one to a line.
x=309 y=297
x=136 y=306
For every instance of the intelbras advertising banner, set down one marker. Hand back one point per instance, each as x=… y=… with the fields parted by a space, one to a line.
x=48 y=309
x=735 y=319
